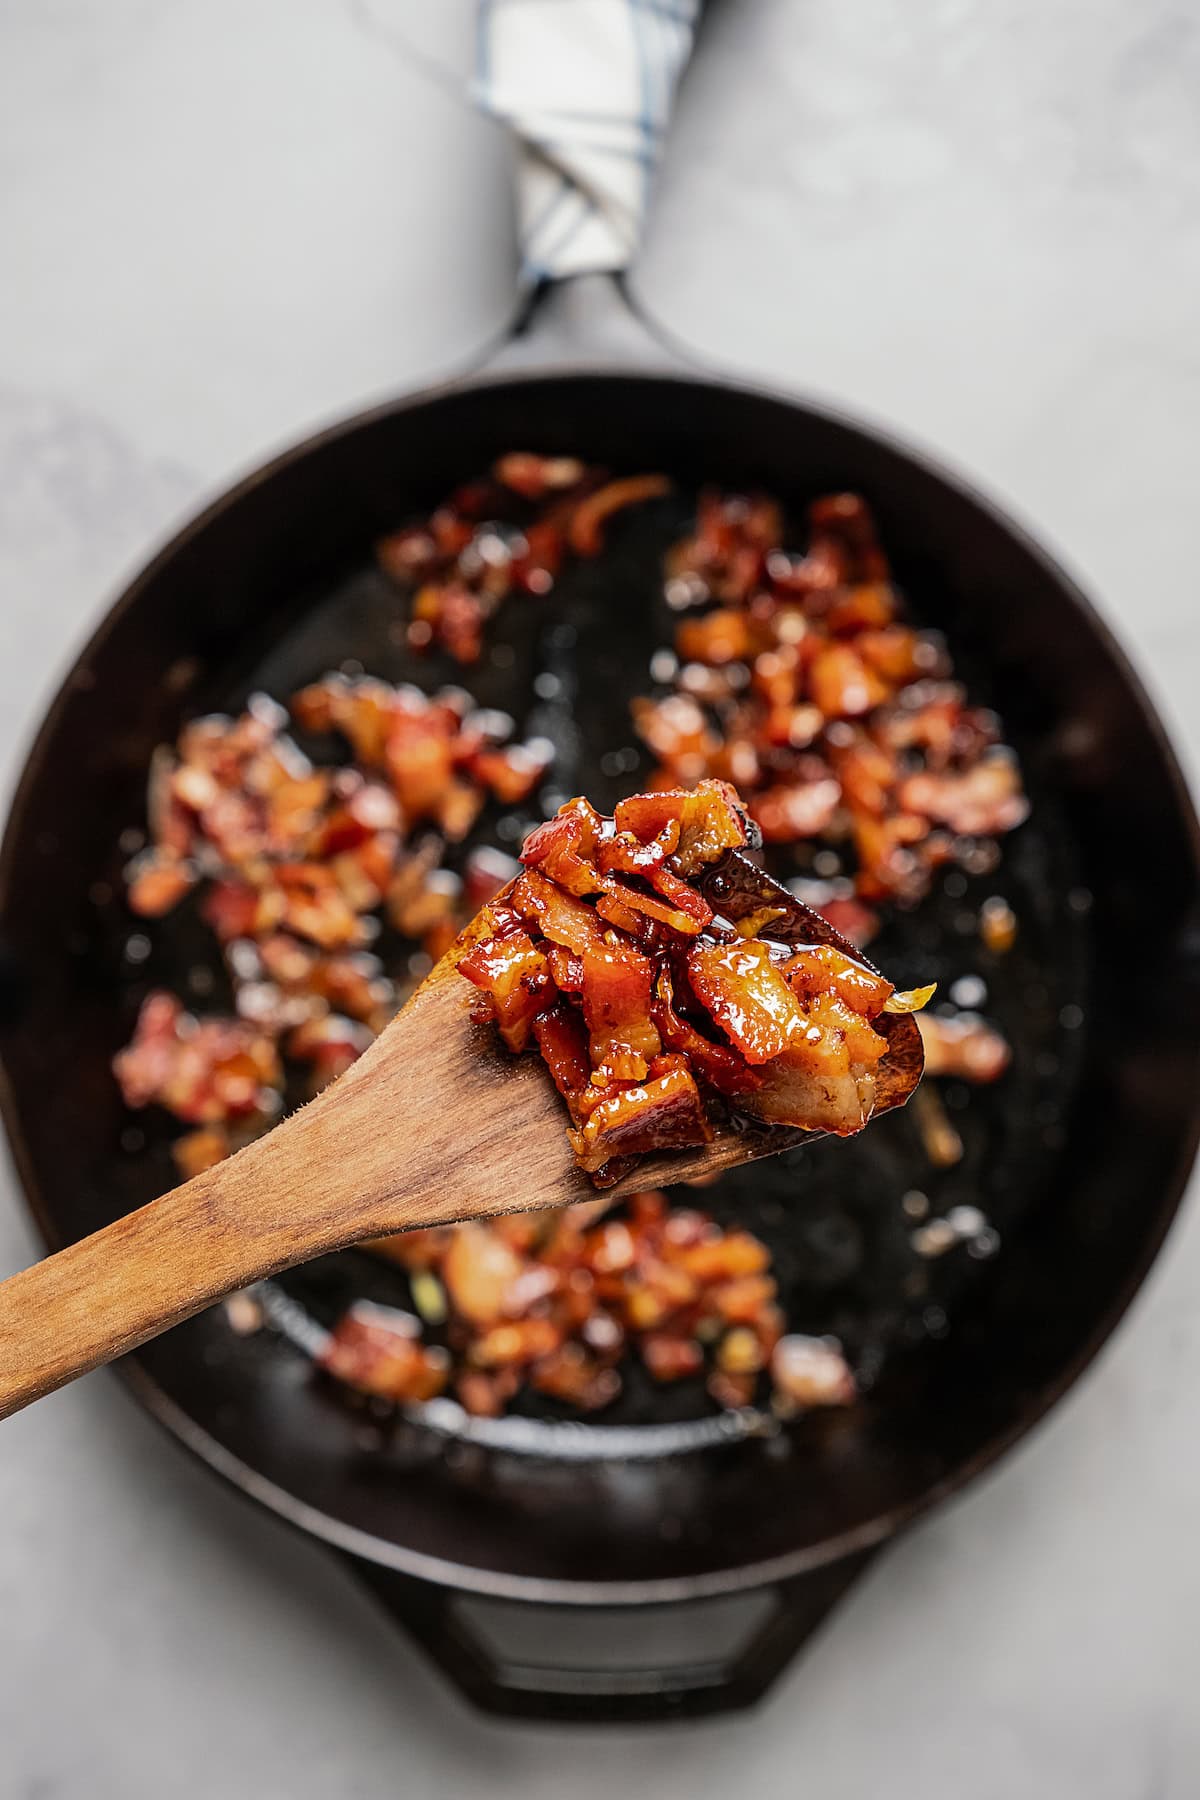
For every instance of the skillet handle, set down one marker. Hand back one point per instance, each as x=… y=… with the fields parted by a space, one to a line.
x=591 y=1664
x=583 y=165
x=590 y=322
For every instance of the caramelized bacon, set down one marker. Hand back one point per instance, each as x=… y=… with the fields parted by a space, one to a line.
x=805 y=686
x=801 y=684
x=629 y=1000
x=748 y=997
x=662 y=1113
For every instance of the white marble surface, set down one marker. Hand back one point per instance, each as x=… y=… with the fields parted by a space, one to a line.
x=220 y=223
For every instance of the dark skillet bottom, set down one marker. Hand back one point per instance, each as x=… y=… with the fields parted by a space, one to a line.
x=1077 y=1158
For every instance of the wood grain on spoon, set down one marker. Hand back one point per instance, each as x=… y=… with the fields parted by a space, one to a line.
x=434 y=1124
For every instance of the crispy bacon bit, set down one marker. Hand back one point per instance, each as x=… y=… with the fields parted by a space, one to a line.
x=479 y=1270
x=629 y=998
x=748 y=997
x=983 y=801
x=855 y=922
x=810 y=1371
x=328 y=1045
x=964 y=1046
x=819 y=968
x=515 y=974
x=726 y=557
x=711 y=819
x=379 y=1350
x=664 y=1113
x=205 y=1071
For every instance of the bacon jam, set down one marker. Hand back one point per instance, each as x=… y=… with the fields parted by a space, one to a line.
x=328 y=885
x=648 y=1006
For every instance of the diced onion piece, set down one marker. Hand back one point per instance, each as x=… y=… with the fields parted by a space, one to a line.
x=910 y=1000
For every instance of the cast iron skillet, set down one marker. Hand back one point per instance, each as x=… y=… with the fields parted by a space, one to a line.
x=1079 y=1157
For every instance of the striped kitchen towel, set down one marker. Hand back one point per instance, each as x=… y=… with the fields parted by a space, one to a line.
x=587 y=87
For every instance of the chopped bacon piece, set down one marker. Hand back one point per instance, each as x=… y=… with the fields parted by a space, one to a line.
x=533 y=476
x=617 y=984
x=747 y=995
x=842 y=685
x=157 y=883
x=486 y=1395
x=711 y=819
x=965 y=1046
x=379 y=1350
x=570 y=1374
x=199 y=1150
x=726 y=556
x=818 y=968
x=723 y=636
x=984 y=800
x=563 y=1042
x=790 y=1094
x=479 y=1270
x=811 y=1372
x=558 y=915
x=803 y=809
x=671 y=1357
x=665 y=1113
x=516 y=976
x=516 y=1342
x=851 y=919
x=722 y=1068
x=205 y=1071
x=564 y=847
x=329 y=1045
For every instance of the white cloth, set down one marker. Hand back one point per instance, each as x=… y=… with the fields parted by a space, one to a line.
x=587 y=86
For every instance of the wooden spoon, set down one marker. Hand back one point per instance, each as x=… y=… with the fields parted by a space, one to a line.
x=433 y=1125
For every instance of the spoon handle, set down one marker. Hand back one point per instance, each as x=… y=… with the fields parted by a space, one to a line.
x=111 y=1291
x=416 y=1133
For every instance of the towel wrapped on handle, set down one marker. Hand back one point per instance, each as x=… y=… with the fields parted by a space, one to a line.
x=587 y=87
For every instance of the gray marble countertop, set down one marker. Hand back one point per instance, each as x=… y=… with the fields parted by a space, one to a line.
x=222 y=223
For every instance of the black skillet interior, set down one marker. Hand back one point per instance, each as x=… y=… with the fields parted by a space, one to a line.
x=1077 y=1158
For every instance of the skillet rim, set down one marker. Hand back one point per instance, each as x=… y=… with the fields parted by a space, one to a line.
x=553 y=1590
